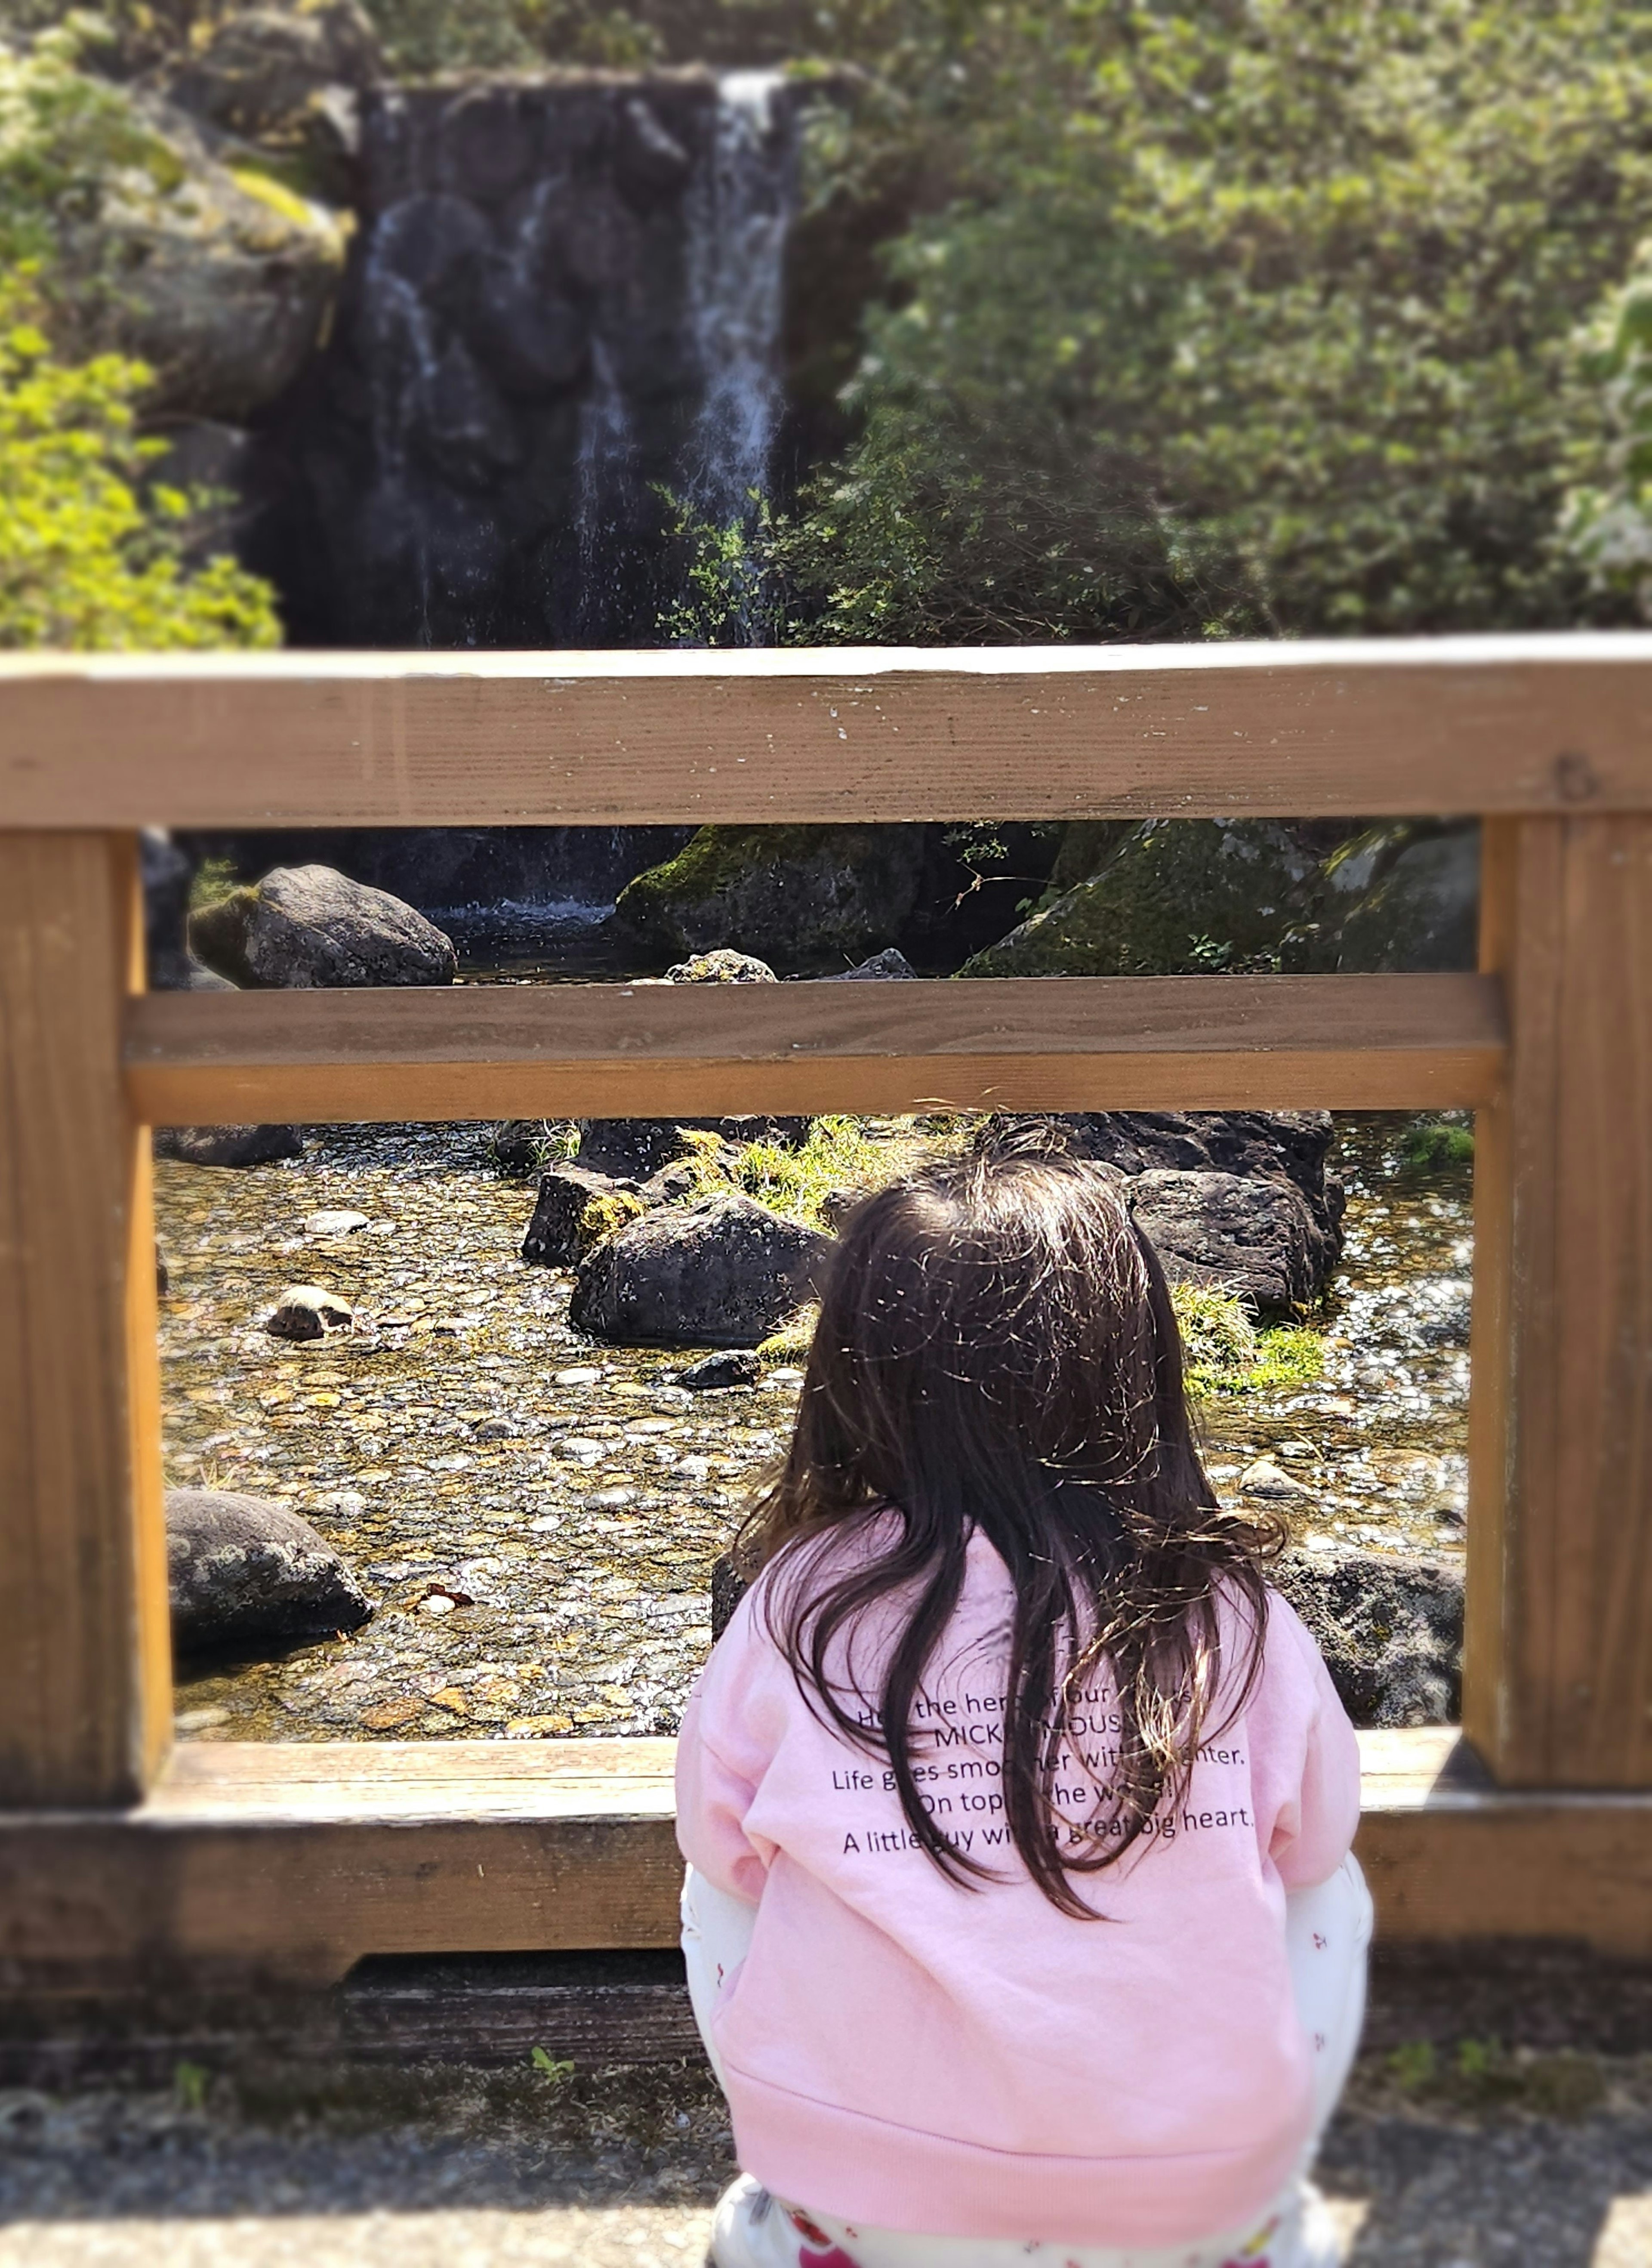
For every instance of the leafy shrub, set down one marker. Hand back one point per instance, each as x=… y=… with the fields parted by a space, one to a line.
x=92 y=554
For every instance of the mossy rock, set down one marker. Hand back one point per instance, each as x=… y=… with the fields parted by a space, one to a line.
x=1174 y=896
x=799 y=897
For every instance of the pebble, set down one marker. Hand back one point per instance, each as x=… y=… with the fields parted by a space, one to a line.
x=333 y=1224
x=1271 y=1482
x=785 y=1377
x=307 y=1311
x=580 y=1376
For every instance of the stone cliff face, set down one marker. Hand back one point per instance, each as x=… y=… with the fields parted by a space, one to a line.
x=560 y=322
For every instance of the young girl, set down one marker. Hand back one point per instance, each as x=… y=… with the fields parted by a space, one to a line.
x=1020 y=1919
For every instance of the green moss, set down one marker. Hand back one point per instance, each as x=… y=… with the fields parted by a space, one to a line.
x=791 y=1342
x=606 y=1214
x=213 y=881
x=1428 y=1143
x=1173 y=895
x=709 y=863
x=840 y=1154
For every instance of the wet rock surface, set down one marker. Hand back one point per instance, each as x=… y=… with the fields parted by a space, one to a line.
x=228 y=1146
x=465 y=1438
x=311 y=926
x=240 y=1570
x=1391 y=1630
x=798 y=897
x=1255 y=1239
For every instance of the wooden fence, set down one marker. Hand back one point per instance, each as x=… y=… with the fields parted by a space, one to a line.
x=120 y=1856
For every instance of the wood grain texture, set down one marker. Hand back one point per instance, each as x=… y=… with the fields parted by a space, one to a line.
x=1526 y=722
x=1067 y=1043
x=1559 y=1674
x=85 y=1698
x=272 y=1864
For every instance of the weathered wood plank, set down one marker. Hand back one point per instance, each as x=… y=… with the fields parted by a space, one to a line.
x=84 y=1671
x=1078 y=1043
x=243 y=1865
x=1522 y=723
x=1559 y=1687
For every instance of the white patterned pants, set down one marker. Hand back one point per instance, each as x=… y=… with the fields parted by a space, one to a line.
x=1328 y=1930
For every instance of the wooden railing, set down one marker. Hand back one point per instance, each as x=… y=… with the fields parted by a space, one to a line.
x=119 y=1856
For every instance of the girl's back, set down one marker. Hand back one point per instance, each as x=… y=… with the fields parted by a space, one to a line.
x=1012 y=1753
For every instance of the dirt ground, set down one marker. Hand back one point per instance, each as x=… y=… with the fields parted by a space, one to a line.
x=1543 y=2163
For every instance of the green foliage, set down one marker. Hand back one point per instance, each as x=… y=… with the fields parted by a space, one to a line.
x=1609 y=526
x=1486 y=2075
x=1246 y=320
x=790 y=1345
x=1225 y=1354
x=549 y=2067
x=190 y=2084
x=92 y=554
x=1429 y=1143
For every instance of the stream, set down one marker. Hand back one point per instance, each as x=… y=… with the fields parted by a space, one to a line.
x=537 y=1516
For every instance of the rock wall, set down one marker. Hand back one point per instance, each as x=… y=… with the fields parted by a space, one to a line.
x=562 y=310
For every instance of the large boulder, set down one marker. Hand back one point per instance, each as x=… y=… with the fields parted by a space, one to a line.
x=308 y=927
x=240 y=1569
x=1255 y=1239
x=263 y=73
x=1290 y=1145
x=800 y=897
x=723 y=1271
x=637 y=1149
x=1173 y=896
x=225 y=275
x=1390 y=1628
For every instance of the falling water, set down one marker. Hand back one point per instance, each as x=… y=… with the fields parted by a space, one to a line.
x=739 y=217
x=607 y=499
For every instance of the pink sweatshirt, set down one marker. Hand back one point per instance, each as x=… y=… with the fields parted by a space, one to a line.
x=916 y=2056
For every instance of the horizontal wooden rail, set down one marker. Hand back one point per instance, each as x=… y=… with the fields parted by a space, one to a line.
x=1529 y=723
x=292 y=1861
x=614 y=1050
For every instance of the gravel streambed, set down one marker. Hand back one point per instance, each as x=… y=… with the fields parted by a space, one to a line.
x=538 y=1515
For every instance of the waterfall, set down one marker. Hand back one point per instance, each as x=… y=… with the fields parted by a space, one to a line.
x=606 y=499
x=740 y=211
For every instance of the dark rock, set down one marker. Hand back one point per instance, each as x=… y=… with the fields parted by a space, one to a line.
x=629 y=1149
x=728 y=1366
x=1391 y=1629
x=490 y=142
x=649 y=162
x=228 y=1146
x=779 y=1133
x=167 y=872
x=575 y=1209
x=462 y=424
x=673 y=1183
x=199 y=978
x=307 y=1311
x=891 y=962
x=240 y=1569
x=435 y=242
x=723 y=1271
x=799 y=896
x=729 y=1586
x=163 y=1273
x=1255 y=1239
x=530 y=340
x=837 y=1204
x=1289 y=1145
x=1422 y=913
x=308 y=927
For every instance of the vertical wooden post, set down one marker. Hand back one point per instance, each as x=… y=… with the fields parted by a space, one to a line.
x=84 y=1669
x=1558 y=1666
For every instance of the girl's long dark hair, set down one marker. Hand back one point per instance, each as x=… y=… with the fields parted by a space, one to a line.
x=996 y=1351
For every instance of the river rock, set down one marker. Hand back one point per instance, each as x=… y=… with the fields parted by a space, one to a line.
x=307 y=1311
x=1173 y=896
x=575 y=1208
x=239 y=1569
x=517 y=1146
x=723 y=1271
x=228 y=1146
x=796 y=896
x=721 y=966
x=728 y=1366
x=891 y=962
x=640 y=1150
x=1390 y=1628
x=309 y=926
x=1255 y=1239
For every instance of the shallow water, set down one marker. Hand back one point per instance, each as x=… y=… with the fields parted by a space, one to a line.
x=538 y=1516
